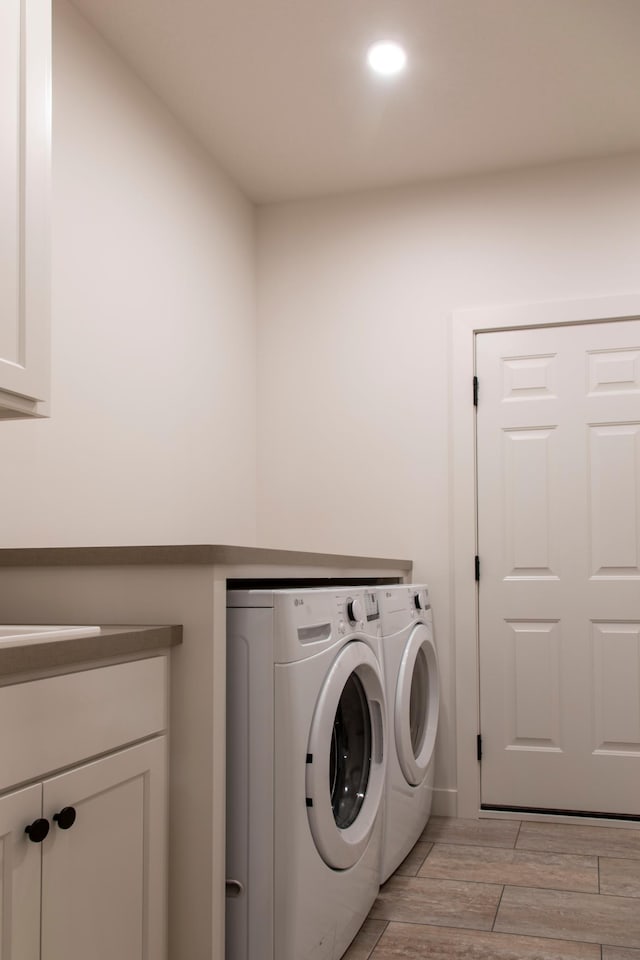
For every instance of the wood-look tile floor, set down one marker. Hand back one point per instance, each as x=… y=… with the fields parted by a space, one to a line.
x=509 y=890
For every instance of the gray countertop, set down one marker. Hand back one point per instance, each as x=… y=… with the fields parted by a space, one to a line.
x=202 y=554
x=112 y=642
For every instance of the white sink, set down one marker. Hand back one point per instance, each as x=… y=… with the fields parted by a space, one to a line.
x=15 y=635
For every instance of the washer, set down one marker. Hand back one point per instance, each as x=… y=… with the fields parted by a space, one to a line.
x=413 y=697
x=305 y=770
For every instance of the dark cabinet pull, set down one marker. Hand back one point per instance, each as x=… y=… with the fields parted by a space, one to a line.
x=37 y=830
x=66 y=818
x=233 y=888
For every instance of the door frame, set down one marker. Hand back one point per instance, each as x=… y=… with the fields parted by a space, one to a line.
x=466 y=323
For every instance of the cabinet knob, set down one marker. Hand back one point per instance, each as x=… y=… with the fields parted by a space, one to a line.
x=66 y=818
x=37 y=830
x=233 y=888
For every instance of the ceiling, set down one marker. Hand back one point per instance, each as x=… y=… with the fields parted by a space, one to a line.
x=278 y=90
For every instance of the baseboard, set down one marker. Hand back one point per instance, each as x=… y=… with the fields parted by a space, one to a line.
x=444 y=803
x=558 y=818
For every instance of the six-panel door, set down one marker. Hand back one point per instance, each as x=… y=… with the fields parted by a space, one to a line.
x=558 y=453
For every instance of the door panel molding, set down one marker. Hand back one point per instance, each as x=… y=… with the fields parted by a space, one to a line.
x=462 y=467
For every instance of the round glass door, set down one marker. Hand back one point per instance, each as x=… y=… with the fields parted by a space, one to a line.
x=419 y=702
x=350 y=756
x=345 y=758
x=416 y=705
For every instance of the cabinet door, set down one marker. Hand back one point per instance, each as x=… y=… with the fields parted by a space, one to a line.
x=25 y=122
x=20 y=861
x=104 y=877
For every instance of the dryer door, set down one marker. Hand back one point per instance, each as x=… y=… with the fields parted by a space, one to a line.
x=346 y=757
x=416 y=704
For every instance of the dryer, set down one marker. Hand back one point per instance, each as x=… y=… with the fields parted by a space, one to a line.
x=306 y=764
x=413 y=698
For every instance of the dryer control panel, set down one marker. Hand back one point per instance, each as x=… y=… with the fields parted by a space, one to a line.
x=403 y=604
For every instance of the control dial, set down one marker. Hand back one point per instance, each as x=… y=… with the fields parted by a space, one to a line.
x=421 y=600
x=355 y=610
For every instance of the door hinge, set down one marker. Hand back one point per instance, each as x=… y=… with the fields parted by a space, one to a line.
x=477 y=567
x=479 y=747
x=475 y=391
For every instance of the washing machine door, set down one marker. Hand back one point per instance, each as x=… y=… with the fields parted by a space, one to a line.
x=346 y=757
x=417 y=703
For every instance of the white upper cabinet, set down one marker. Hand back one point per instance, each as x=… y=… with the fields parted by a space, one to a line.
x=25 y=160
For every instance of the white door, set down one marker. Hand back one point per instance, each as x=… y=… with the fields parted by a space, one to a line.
x=558 y=447
x=103 y=867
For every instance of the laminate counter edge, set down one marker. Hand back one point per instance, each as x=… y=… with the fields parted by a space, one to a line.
x=178 y=554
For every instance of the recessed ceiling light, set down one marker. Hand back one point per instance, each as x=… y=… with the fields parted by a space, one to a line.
x=386 y=58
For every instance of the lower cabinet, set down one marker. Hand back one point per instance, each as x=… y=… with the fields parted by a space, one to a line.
x=102 y=876
x=20 y=874
x=83 y=861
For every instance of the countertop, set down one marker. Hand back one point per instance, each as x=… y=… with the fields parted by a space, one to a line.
x=195 y=553
x=111 y=642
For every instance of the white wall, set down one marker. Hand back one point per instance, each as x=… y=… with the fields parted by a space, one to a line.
x=153 y=431
x=355 y=296
x=152 y=434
